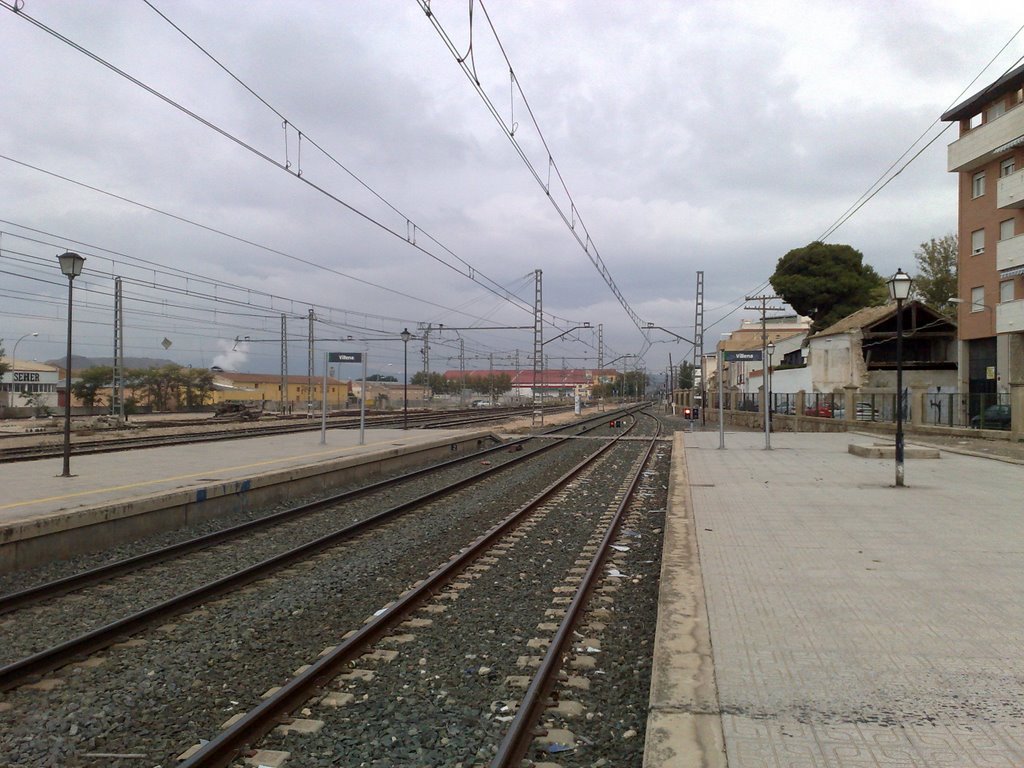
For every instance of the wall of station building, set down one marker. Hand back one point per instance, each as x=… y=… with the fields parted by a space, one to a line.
x=22 y=382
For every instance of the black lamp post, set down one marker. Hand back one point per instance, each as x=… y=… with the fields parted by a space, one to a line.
x=405 y=379
x=771 y=400
x=71 y=265
x=899 y=290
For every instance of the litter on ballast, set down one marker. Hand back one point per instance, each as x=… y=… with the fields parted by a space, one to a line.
x=620 y=547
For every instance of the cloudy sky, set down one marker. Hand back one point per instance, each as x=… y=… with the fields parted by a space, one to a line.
x=692 y=136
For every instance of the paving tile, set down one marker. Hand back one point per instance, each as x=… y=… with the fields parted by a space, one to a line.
x=857 y=624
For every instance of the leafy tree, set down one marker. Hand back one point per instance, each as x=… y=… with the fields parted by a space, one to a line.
x=37 y=403
x=380 y=377
x=4 y=367
x=159 y=385
x=827 y=282
x=196 y=386
x=435 y=382
x=935 y=282
x=633 y=384
x=496 y=383
x=91 y=381
x=685 y=380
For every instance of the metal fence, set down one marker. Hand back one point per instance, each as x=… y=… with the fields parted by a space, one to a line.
x=981 y=411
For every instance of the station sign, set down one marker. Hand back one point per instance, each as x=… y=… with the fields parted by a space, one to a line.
x=344 y=357
x=753 y=355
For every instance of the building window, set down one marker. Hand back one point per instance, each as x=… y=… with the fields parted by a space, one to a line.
x=1007 y=167
x=997 y=111
x=974 y=122
x=978 y=299
x=1005 y=291
x=977 y=242
x=1006 y=229
x=978 y=185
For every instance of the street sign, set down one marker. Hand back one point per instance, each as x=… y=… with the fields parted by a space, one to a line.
x=743 y=357
x=344 y=357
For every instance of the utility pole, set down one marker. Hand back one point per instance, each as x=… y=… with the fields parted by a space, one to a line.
x=284 y=363
x=309 y=368
x=425 y=354
x=672 y=383
x=698 y=342
x=425 y=351
x=117 y=379
x=462 y=369
x=490 y=377
x=538 y=349
x=600 y=346
x=764 y=309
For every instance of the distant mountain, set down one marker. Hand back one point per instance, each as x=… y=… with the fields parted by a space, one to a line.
x=80 y=362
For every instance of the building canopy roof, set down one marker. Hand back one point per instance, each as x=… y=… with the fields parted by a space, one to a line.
x=869 y=317
x=1011 y=81
x=747 y=338
x=235 y=378
x=553 y=377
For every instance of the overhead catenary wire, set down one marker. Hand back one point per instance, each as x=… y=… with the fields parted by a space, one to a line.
x=572 y=219
x=470 y=272
x=872 y=190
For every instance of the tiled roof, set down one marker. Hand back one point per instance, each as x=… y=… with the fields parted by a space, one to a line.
x=273 y=378
x=552 y=377
x=860 y=319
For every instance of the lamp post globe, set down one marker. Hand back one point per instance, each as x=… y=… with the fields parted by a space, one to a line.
x=900 y=286
x=71 y=267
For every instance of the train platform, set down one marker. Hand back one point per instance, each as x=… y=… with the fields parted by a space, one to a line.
x=113 y=497
x=813 y=614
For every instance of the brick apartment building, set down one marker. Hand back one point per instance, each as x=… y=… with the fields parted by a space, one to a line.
x=989 y=158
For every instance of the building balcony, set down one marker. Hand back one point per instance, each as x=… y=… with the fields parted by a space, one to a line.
x=1010 y=191
x=1010 y=253
x=1010 y=317
x=979 y=146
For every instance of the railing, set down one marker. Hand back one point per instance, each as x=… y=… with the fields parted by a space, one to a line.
x=824 y=405
x=942 y=409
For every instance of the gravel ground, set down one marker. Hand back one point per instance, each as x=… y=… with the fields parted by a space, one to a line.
x=168 y=688
x=27 y=632
x=611 y=731
x=444 y=700
x=12 y=582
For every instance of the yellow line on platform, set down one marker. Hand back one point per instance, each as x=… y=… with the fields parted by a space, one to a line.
x=165 y=480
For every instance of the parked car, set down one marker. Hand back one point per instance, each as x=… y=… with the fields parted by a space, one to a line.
x=865 y=412
x=993 y=417
x=481 y=403
x=822 y=410
x=861 y=412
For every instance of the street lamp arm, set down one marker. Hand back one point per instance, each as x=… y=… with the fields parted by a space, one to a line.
x=565 y=333
x=652 y=326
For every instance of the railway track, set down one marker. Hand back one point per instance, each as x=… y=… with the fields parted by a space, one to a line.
x=262 y=545
x=211 y=430
x=381 y=559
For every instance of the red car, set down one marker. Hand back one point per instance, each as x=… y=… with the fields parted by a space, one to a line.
x=822 y=410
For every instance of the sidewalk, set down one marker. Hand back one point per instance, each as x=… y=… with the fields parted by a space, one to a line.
x=853 y=623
